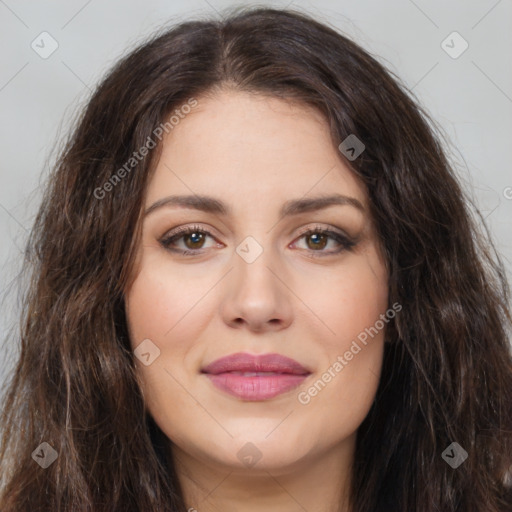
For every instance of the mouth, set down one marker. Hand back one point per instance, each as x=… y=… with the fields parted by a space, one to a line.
x=255 y=377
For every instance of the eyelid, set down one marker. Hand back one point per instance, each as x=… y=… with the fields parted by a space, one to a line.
x=208 y=229
x=188 y=228
x=319 y=227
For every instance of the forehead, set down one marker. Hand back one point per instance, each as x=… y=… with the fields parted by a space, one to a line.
x=253 y=148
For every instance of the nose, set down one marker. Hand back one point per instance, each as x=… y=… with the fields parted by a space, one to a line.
x=258 y=295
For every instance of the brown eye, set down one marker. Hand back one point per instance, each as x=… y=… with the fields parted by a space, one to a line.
x=192 y=240
x=196 y=239
x=318 y=241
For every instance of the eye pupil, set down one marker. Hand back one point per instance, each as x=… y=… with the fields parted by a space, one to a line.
x=196 y=238
x=317 y=238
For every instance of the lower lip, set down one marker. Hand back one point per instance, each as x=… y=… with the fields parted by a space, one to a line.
x=258 y=387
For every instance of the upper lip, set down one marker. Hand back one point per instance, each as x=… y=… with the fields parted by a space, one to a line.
x=243 y=362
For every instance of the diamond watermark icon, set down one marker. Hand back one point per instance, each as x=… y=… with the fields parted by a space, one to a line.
x=454 y=455
x=146 y=352
x=249 y=455
x=249 y=249
x=454 y=45
x=44 y=45
x=44 y=455
x=351 y=147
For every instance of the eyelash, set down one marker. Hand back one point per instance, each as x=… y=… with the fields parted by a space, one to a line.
x=345 y=242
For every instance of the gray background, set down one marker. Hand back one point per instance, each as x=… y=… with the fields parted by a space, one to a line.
x=470 y=96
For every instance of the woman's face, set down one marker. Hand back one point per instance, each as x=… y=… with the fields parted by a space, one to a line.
x=253 y=169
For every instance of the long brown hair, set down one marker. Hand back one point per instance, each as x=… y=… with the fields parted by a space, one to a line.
x=447 y=374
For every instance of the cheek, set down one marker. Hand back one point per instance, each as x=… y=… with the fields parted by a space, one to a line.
x=168 y=307
x=160 y=304
x=336 y=402
x=347 y=301
x=351 y=307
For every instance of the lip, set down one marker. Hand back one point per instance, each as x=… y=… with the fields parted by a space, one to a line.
x=270 y=375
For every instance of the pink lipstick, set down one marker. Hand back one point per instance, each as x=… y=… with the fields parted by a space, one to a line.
x=255 y=377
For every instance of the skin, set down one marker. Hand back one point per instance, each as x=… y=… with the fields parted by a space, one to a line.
x=255 y=152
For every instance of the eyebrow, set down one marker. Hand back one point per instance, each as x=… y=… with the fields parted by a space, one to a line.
x=292 y=207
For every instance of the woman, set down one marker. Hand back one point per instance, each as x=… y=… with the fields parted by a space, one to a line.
x=257 y=285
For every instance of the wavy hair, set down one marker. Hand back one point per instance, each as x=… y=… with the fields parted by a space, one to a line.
x=447 y=371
